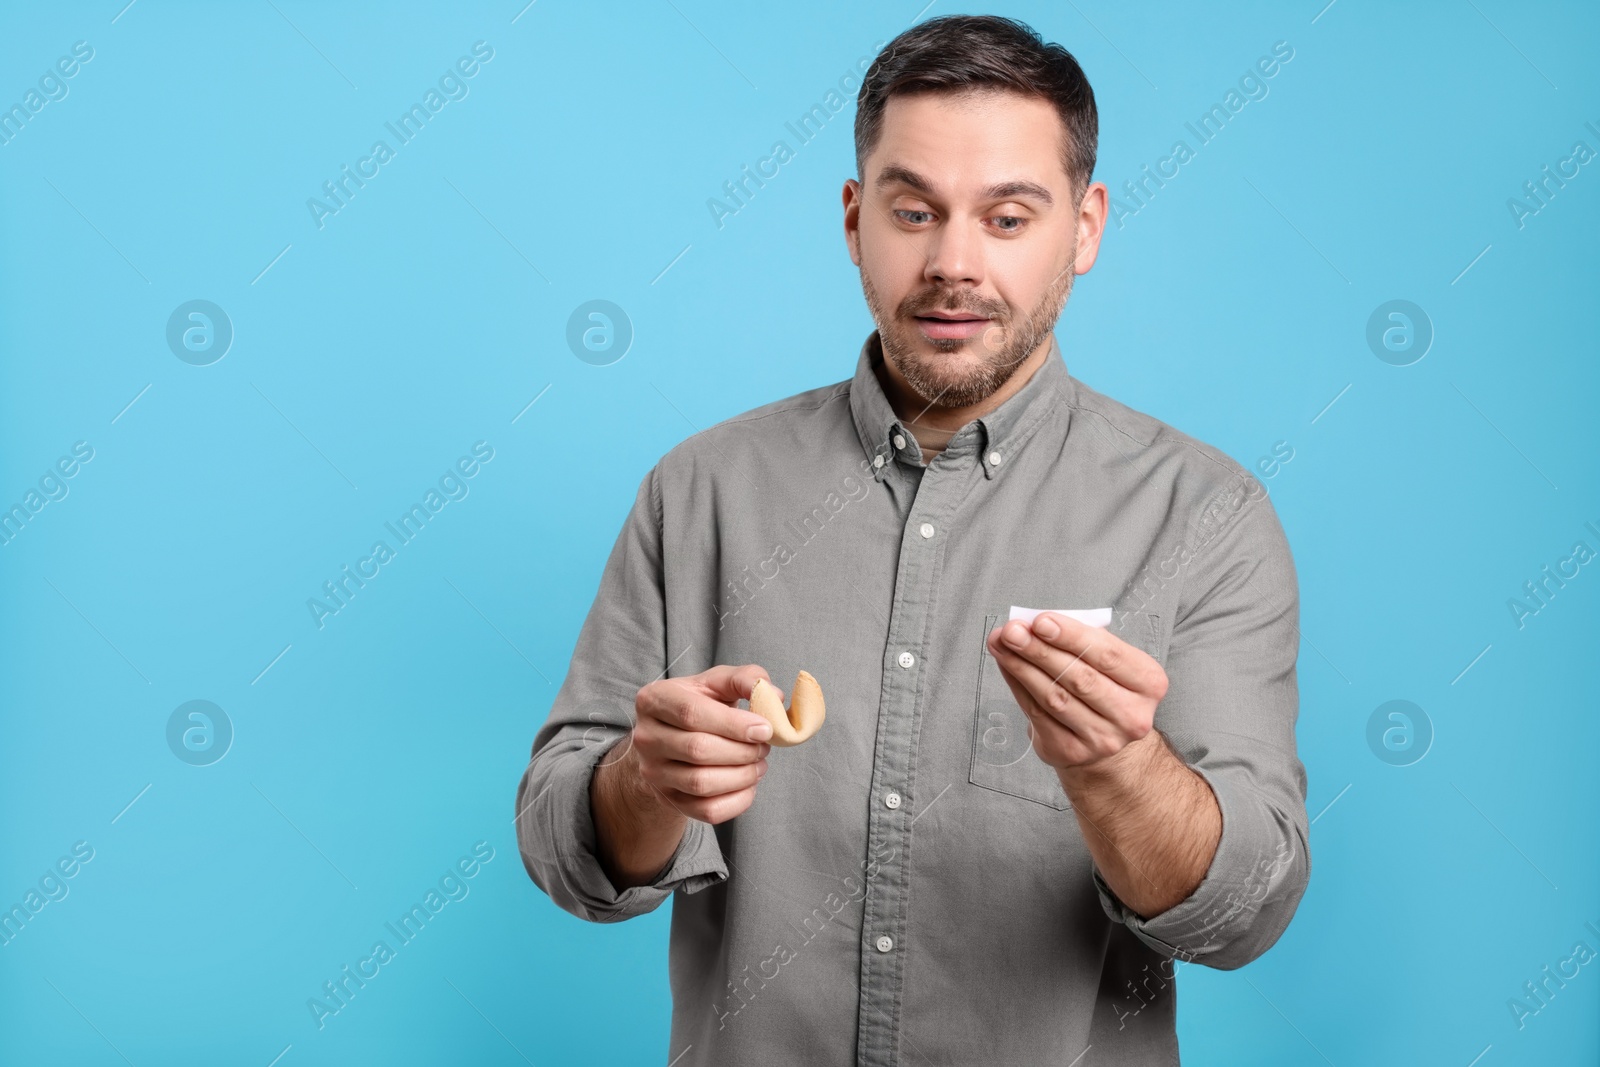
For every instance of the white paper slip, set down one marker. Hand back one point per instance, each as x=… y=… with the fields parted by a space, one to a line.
x=1088 y=616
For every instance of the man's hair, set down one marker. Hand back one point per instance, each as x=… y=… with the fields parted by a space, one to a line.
x=964 y=53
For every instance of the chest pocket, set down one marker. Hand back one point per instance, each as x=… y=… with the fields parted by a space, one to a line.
x=1003 y=758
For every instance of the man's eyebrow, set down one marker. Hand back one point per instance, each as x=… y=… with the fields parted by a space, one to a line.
x=999 y=191
x=1012 y=190
x=896 y=173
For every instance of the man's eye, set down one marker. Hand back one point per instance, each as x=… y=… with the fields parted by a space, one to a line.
x=907 y=211
x=1010 y=218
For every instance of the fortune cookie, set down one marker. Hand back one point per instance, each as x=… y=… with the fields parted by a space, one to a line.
x=800 y=720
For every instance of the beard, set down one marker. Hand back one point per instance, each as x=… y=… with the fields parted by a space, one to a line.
x=939 y=377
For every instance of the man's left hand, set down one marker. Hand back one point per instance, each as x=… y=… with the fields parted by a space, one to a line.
x=1088 y=694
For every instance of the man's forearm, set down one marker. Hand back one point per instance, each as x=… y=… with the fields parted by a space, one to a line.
x=636 y=830
x=1151 y=823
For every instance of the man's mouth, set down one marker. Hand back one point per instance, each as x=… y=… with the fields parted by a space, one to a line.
x=947 y=325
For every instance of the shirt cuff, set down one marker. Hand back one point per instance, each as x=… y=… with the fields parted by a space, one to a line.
x=1245 y=887
x=695 y=864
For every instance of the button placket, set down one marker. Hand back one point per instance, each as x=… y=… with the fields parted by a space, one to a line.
x=894 y=758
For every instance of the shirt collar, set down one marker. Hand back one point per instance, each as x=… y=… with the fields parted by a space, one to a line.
x=990 y=438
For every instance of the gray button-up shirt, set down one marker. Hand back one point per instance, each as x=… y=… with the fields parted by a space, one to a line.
x=910 y=886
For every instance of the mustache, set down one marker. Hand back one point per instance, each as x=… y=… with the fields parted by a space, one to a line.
x=934 y=300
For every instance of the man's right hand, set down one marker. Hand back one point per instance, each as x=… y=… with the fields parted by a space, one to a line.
x=691 y=755
x=693 y=749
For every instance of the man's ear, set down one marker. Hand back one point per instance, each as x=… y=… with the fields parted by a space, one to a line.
x=1091 y=224
x=851 y=196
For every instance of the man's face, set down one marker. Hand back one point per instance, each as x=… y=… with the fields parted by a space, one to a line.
x=967 y=237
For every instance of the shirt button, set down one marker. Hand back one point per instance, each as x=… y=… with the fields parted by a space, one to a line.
x=907 y=659
x=994 y=459
x=884 y=943
x=899 y=441
x=892 y=800
x=877 y=461
x=926 y=529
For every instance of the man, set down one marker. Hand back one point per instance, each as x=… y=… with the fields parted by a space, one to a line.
x=1004 y=833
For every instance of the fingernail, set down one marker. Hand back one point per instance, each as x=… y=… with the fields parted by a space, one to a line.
x=761 y=770
x=1046 y=627
x=759 y=732
x=1015 y=634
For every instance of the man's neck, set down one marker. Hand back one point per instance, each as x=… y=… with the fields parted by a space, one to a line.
x=933 y=424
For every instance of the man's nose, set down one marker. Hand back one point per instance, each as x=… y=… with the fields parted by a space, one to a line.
x=955 y=254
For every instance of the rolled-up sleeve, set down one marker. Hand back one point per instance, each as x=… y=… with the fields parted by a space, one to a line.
x=621 y=647
x=1230 y=713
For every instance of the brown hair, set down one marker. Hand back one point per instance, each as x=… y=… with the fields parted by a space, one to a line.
x=959 y=53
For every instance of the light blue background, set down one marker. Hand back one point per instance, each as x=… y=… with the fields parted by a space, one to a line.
x=431 y=310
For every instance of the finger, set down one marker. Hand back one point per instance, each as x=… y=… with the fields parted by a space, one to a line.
x=1031 y=688
x=1053 y=742
x=1072 y=673
x=1089 y=737
x=1069 y=708
x=665 y=741
x=1130 y=667
x=710 y=809
x=727 y=683
x=699 y=781
x=687 y=708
